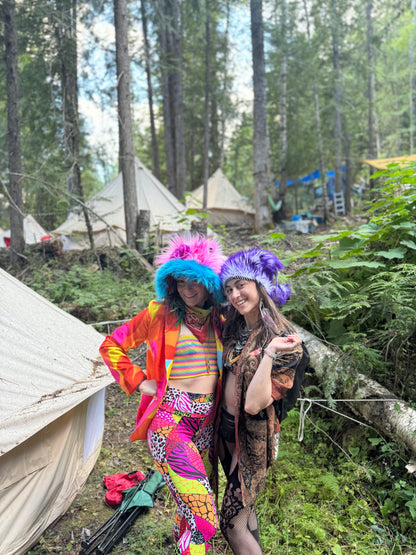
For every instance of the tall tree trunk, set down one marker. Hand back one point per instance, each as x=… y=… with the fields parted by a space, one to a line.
x=66 y=32
x=168 y=126
x=370 y=84
x=412 y=93
x=207 y=102
x=224 y=85
x=177 y=96
x=283 y=114
x=155 y=148
x=396 y=109
x=169 y=31
x=17 y=241
x=318 y=127
x=263 y=217
x=271 y=181
x=337 y=95
x=125 y=126
x=377 y=128
x=348 y=174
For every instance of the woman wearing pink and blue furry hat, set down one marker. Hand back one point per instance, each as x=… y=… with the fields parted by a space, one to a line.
x=183 y=373
x=261 y=351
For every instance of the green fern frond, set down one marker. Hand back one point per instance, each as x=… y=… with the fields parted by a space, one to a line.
x=330 y=484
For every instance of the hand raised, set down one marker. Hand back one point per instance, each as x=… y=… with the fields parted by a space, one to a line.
x=284 y=343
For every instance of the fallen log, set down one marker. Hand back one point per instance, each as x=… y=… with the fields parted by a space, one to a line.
x=389 y=415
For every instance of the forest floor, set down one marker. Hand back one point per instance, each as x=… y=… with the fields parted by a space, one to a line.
x=152 y=532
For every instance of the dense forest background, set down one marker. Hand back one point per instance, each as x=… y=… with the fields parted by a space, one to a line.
x=339 y=78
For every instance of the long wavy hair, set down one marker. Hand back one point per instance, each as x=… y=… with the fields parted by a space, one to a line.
x=272 y=322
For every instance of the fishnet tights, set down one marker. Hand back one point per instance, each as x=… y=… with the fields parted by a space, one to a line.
x=238 y=523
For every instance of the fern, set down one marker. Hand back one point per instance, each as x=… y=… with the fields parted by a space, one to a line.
x=356 y=287
x=330 y=486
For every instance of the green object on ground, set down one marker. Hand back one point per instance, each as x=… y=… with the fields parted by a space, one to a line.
x=137 y=499
x=144 y=496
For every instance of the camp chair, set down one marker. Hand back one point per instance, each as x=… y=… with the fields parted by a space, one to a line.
x=136 y=501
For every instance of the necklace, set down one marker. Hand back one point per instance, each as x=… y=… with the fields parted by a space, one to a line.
x=254 y=327
x=235 y=353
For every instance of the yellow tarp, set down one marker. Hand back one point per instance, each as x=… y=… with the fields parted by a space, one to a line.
x=382 y=163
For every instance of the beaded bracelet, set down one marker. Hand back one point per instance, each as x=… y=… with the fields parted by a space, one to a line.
x=270 y=354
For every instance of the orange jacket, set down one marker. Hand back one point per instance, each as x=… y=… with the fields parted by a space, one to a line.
x=158 y=327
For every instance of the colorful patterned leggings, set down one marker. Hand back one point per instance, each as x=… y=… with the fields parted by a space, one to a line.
x=179 y=437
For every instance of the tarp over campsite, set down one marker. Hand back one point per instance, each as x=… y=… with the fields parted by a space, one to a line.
x=51 y=412
x=225 y=205
x=382 y=163
x=107 y=207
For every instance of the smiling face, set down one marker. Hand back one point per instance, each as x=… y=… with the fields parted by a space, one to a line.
x=192 y=293
x=244 y=297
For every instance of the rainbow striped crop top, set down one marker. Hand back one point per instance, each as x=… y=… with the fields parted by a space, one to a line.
x=193 y=359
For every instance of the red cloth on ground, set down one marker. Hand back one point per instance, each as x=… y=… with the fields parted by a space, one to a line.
x=117 y=483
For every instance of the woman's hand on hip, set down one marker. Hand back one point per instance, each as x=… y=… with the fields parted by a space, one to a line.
x=148 y=387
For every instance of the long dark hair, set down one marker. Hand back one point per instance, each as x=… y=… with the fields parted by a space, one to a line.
x=272 y=321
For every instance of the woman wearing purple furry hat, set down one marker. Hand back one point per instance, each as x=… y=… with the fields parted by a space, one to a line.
x=261 y=350
x=183 y=374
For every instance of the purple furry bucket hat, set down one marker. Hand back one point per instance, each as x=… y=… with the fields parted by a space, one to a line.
x=257 y=265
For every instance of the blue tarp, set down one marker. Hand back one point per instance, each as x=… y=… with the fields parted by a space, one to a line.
x=311 y=177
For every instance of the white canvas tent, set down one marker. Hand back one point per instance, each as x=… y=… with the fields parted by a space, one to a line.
x=165 y=211
x=33 y=232
x=52 y=385
x=225 y=205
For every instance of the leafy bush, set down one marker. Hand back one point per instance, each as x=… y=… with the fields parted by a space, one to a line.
x=356 y=287
x=332 y=503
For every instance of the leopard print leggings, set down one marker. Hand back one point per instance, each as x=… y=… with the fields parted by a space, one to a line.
x=179 y=437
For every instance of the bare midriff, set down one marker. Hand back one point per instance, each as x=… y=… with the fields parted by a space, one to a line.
x=200 y=384
x=228 y=400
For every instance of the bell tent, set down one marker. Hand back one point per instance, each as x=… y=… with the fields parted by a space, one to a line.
x=51 y=412
x=33 y=233
x=225 y=205
x=107 y=211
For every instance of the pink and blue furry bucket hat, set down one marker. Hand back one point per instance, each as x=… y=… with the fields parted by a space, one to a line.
x=191 y=257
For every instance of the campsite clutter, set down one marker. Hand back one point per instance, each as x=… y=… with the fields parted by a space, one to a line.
x=136 y=501
x=225 y=205
x=117 y=483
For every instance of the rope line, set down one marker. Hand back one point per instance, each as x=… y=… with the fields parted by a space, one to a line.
x=303 y=412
